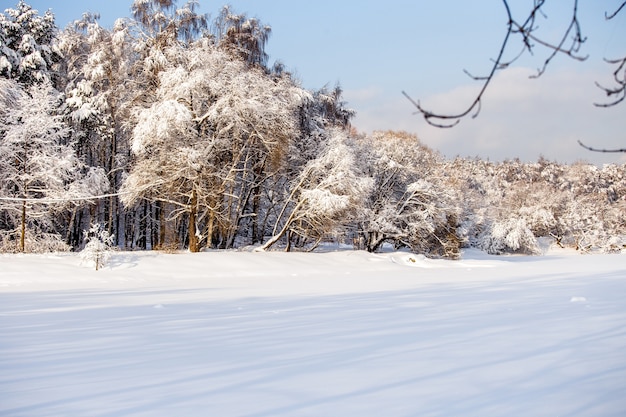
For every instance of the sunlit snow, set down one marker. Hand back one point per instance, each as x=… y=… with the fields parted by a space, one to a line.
x=337 y=333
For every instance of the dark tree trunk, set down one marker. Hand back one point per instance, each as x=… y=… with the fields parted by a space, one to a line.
x=193 y=239
x=23 y=227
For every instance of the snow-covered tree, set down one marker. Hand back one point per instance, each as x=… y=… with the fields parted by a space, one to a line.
x=27 y=49
x=162 y=27
x=102 y=84
x=98 y=247
x=244 y=37
x=204 y=143
x=587 y=204
x=38 y=163
x=511 y=235
x=411 y=203
x=253 y=123
x=578 y=205
x=325 y=196
x=163 y=23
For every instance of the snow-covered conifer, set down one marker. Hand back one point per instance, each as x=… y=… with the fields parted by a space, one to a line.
x=98 y=247
x=27 y=49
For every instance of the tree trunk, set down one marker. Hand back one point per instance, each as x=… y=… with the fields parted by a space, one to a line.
x=23 y=227
x=161 y=216
x=288 y=247
x=285 y=228
x=143 y=227
x=70 y=227
x=193 y=209
x=210 y=229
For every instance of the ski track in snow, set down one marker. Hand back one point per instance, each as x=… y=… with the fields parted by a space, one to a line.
x=325 y=334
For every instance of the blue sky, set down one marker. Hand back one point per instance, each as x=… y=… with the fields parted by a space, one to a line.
x=376 y=49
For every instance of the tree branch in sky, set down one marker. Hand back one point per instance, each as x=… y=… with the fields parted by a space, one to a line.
x=569 y=45
x=619 y=75
x=589 y=148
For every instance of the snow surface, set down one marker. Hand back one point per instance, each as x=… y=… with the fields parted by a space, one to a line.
x=340 y=333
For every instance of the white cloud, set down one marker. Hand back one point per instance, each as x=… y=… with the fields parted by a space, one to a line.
x=520 y=118
x=370 y=93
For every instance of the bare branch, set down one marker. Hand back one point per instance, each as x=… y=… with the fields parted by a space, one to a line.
x=572 y=51
x=447 y=121
x=589 y=148
x=619 y=75
x=526 y=30
x=611 y=16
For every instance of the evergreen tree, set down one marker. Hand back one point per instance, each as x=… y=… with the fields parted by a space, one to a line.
x=28 y=52
x=97 y=250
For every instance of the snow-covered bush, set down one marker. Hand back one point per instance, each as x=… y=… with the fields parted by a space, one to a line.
x=430 y=216
x=99 y=245
x=511 y=235
x=615 y=244
x=36 y=241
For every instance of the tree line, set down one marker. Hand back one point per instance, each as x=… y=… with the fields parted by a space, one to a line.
x=171 y=130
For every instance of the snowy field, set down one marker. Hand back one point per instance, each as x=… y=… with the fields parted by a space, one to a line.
x=342 y=333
